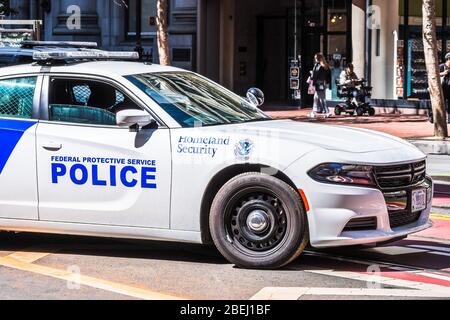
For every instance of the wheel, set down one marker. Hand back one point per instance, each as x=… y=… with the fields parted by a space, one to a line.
x=258 y=221
x=371 y=111
x=360 y=111
x=338 y=110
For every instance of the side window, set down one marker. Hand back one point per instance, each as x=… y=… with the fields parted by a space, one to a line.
x=16 y=97
x=85 y=101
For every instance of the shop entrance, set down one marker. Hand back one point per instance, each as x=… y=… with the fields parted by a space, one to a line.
x=272 y=68
x=272 y=37
x=312 y=43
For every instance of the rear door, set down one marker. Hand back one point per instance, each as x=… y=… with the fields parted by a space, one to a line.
x=91 y=171
x=19 y=105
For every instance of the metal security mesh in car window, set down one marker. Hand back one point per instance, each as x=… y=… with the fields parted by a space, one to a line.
x=16 y=97
x=119 y=97
x=82 y=94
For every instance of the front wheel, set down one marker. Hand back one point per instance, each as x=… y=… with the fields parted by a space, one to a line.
x=258 y=221
x=360 y=111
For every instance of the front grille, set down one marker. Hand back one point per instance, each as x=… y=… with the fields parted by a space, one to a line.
x=400 y=176
x=359 y=224
x=403 y=218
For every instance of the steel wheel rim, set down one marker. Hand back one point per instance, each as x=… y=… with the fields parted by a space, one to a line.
x=251 y=203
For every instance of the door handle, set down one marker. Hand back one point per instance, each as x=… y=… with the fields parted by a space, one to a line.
x=52 y=146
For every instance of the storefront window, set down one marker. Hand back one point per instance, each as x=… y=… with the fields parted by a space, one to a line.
x=415 y=12
x=313 y=12
x=337 y=16
x=412 y=81
x=337 y=49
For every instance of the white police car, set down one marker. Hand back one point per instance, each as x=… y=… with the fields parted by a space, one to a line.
x=132 y=150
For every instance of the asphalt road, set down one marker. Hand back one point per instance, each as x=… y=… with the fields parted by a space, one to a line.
x=439 y=166
x=34 y=266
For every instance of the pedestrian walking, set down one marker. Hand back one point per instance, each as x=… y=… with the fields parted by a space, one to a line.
x=321 y=80
x=445 y=80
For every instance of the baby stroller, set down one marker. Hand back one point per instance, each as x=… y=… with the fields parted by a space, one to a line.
x=356 y=97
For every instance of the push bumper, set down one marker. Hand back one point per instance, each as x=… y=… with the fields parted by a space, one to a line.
x=333 y=208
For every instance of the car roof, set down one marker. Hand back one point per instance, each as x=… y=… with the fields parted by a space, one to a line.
x=104 y=68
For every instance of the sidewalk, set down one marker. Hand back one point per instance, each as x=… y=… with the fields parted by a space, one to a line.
x=403 y=126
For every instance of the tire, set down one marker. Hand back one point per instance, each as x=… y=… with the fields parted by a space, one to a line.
x=273 y=201
x=371 y=111
x=338 y=110
x=360 y=111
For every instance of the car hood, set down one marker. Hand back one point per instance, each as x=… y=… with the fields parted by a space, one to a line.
x=329 y=137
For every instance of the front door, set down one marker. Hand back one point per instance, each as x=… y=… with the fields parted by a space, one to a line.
x=18 y=185
x=93 y=172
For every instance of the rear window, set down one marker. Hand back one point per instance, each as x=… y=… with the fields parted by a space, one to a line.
x=16 y=97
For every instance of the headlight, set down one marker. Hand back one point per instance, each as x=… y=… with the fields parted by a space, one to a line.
x=343 y=174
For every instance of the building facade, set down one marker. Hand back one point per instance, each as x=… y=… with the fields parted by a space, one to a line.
x=113 y=24
x=264 y=43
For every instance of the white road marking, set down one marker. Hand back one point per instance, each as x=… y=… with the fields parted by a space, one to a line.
x=81 y=279
x=296 y=293
x=33 y=254
x=440 y=253
x=370 y=278
x=395 y=250
x=430 y=248
x=434 y=275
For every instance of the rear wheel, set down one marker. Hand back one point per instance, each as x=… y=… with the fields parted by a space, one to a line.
x=371 y=111
x=258 y=221
x=338 y=110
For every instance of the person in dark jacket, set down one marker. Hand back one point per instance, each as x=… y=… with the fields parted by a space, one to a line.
x=321 y=79
x=445 y=79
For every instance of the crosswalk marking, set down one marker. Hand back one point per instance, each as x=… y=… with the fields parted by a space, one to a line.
x=379 y=279
x=273 y=293
x=130 y=291
x=33 y=254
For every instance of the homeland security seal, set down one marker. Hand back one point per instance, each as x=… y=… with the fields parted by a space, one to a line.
x=243 y=149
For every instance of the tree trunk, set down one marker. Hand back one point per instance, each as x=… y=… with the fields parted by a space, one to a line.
x=432 y=62
x=163 y=34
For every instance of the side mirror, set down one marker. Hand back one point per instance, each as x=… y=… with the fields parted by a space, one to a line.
x=255 y=96
x=134 y=119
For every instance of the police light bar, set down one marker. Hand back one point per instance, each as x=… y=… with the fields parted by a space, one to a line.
x=74 y=44
x=79 y=55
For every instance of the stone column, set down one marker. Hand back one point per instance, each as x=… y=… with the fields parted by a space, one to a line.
x=358 y=22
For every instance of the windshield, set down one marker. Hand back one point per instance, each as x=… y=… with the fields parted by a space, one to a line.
x=195 y=101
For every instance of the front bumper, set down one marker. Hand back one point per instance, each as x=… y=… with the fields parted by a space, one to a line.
x=334 y=206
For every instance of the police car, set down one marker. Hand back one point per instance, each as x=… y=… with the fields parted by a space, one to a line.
x=93 y=143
